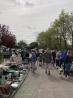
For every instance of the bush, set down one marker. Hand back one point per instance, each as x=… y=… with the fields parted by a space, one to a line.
x=1 y=58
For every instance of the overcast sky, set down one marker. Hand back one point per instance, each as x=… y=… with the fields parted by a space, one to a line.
x=26 y=18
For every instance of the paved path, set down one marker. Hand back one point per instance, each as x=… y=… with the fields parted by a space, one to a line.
x=43 y=86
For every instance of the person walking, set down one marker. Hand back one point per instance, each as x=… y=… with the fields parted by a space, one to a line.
x=54 y=57
x=40 y=60
x=47 y=61
x=13 y=57
x=68 y=63
x=58 y=59
x=33 y=61
x=63 y=57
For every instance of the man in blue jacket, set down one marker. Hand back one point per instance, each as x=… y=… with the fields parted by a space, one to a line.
x=63 y=57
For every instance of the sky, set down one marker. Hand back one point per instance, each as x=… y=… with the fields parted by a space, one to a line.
x=27 y=18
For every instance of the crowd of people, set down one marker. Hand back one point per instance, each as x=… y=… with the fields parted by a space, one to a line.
x=47 y=58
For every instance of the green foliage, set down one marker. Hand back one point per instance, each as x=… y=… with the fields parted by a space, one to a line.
x=33 y=45
x=22 y=44
x=59 y=33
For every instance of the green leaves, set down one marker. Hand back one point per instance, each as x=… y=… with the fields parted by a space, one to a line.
x=59 y=33
x=33 y=45
x=22 y=44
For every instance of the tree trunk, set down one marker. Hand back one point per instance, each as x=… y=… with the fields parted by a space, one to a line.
x=65 y=43
x=72 y=41
x=60 y=42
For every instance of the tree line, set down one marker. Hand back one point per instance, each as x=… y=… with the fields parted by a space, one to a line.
x=60 y=34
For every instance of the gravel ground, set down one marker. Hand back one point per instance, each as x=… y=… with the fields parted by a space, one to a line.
x=40 y=85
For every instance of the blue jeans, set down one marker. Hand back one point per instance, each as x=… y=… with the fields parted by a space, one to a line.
x=67 y=69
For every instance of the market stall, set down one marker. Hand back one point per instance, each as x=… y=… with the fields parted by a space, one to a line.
x=11 y=77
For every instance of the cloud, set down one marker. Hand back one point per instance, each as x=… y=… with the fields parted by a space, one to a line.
x=26 y=18
x=27 y=3
x=20 y=2
x=29 y=27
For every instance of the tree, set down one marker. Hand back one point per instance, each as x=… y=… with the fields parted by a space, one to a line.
x=22 y=44
x=33 y=45
x=0 y=34
x=7 y=39
x=41 y=39
x=64 y=24
x=59 y=33
x=70 y=29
